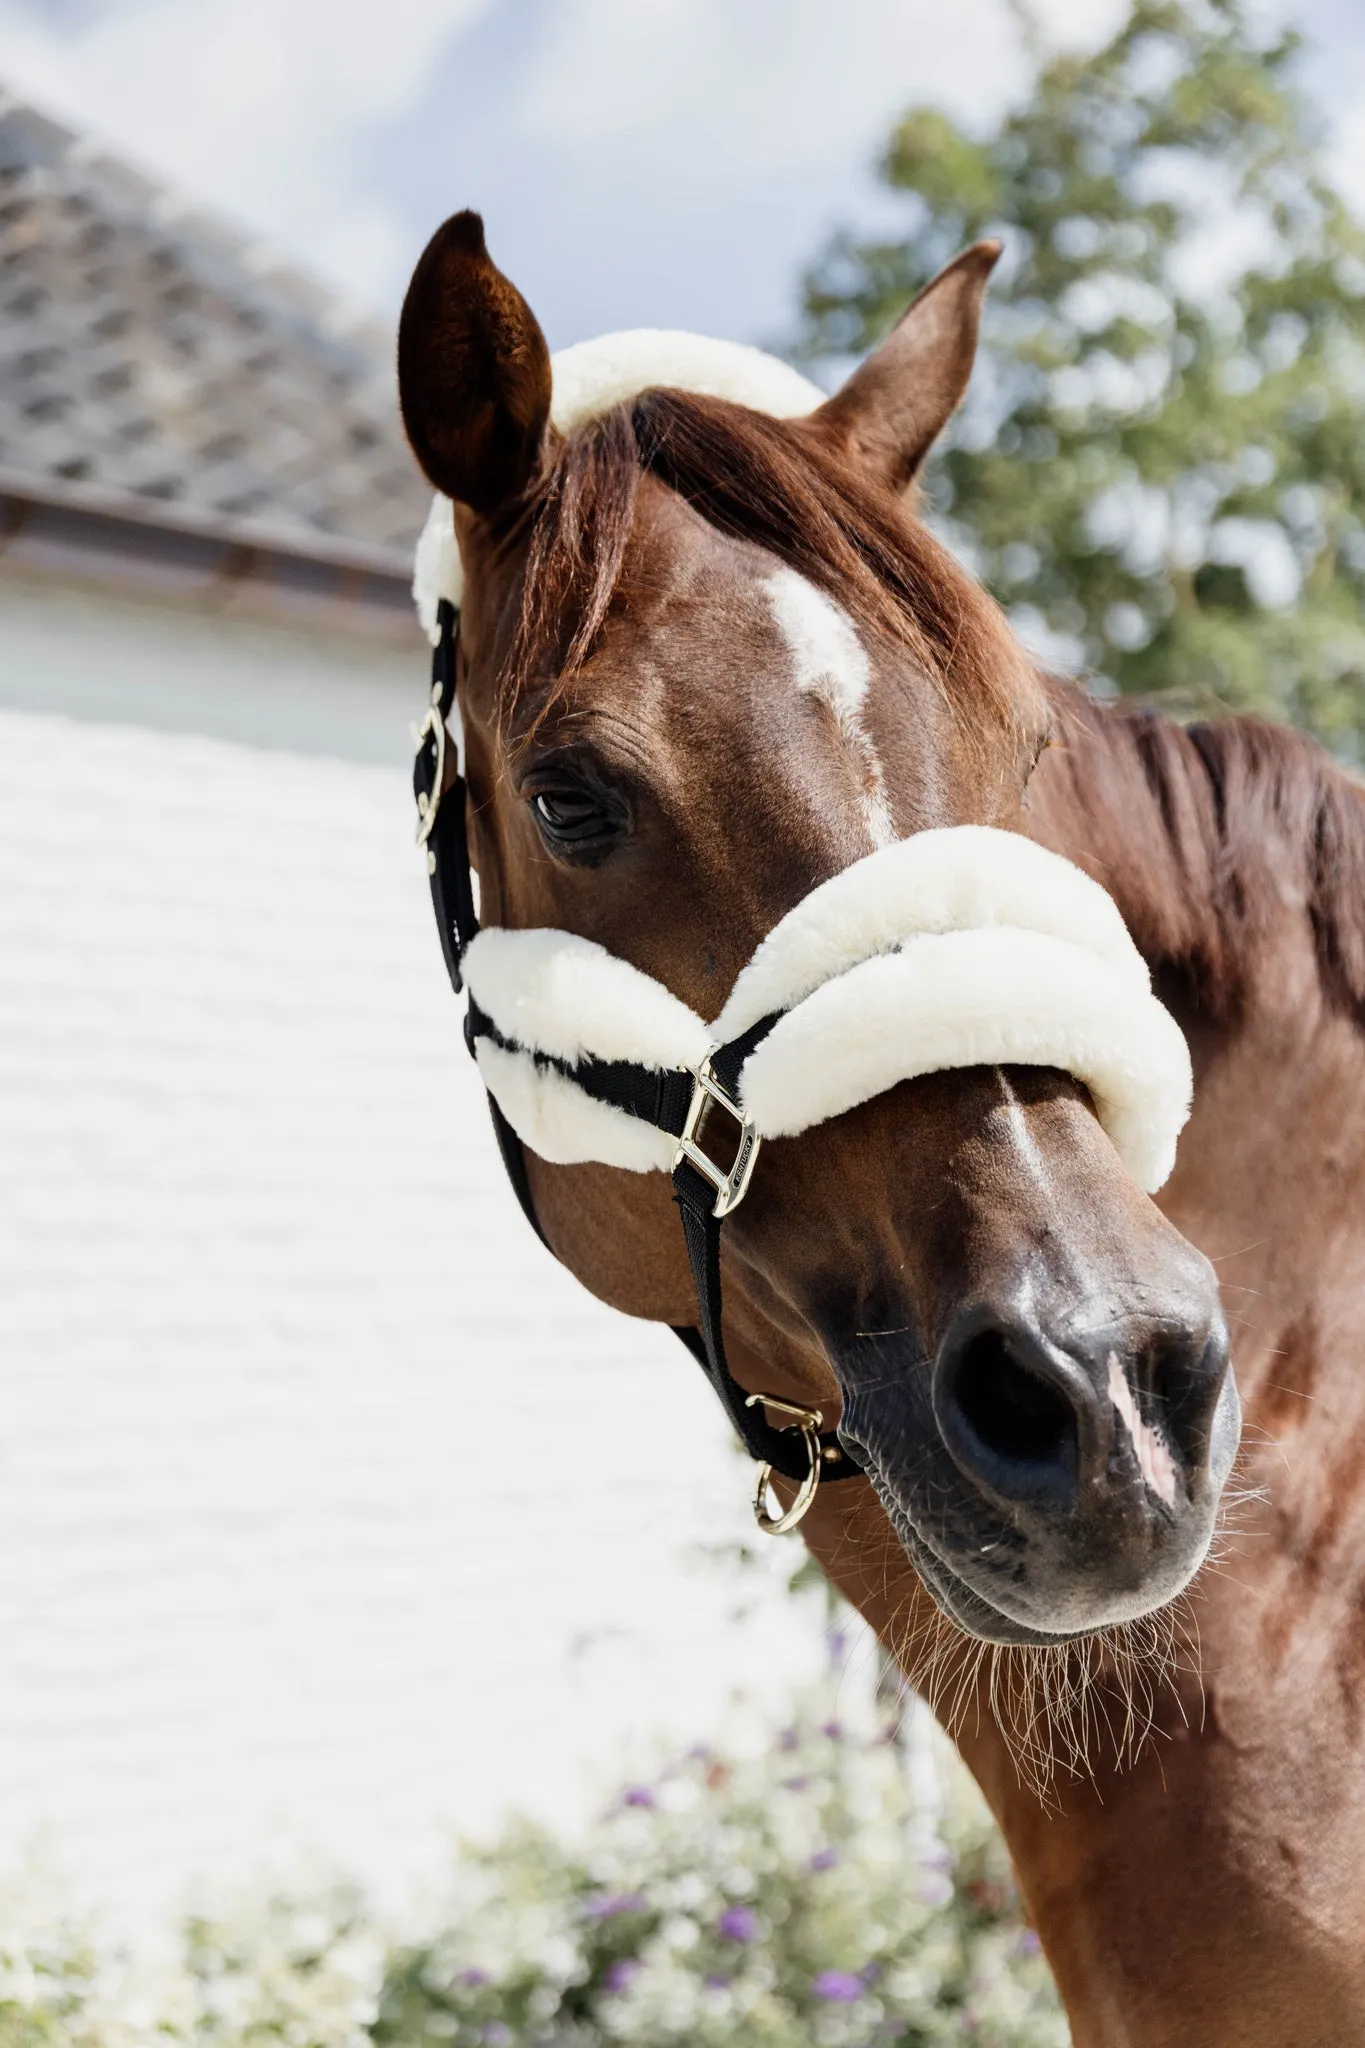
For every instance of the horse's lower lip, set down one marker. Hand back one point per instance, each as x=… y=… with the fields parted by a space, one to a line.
x=963 y=1605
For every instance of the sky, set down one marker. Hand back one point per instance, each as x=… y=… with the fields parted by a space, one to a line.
x=638 y=162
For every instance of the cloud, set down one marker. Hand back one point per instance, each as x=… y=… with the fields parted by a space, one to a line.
x=261 y=107
x=666 y=162
x=779 y=83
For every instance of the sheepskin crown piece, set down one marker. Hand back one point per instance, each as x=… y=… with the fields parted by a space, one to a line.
x=588 y=380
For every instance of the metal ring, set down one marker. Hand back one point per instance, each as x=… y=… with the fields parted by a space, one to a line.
x=433 y=727
x=808 y=1421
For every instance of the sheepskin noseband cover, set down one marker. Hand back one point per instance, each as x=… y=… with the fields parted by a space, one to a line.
x=960 y=947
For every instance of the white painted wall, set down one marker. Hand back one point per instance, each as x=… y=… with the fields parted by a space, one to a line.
x=323 y=1508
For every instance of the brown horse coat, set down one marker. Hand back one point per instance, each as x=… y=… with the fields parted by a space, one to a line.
x=965 y=1254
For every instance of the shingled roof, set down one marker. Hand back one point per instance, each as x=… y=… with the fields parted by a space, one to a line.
x=155 y=362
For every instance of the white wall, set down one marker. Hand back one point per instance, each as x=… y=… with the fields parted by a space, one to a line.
x=323 y=1502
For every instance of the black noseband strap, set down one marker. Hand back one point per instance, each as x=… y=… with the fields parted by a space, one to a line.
x=663 y=1100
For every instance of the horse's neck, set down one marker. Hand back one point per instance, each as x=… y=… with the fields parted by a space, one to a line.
x=1216 y=1892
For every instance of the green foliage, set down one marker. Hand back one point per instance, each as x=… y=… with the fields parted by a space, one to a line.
x=1161 y=469
x=795 y=1891
x=797 y=1895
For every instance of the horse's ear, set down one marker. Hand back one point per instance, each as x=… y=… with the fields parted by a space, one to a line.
x=473 y=372
x=893 y=408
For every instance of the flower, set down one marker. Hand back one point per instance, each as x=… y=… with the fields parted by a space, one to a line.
x=638 y=1795
x=824 y=1859
x=1029 y=1944
x=738 y=1923
x=832 y=1729
x=620 y=1973
x=473 y=1978
x=840 y=1986
x=496 y=2034
x=608 y=1904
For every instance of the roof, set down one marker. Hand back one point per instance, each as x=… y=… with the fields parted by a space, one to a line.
x=160 y=370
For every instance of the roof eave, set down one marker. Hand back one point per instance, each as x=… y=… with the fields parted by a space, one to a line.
x=53 y=527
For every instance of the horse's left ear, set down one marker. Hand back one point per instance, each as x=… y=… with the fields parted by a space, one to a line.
x=893 y=408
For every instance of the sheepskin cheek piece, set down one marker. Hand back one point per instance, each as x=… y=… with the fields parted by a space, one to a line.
x=960 y=947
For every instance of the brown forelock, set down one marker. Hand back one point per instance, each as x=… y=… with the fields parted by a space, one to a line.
x=776 y=484
x=1205 y=833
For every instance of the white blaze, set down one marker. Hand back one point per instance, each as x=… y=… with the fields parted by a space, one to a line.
x=831 y=664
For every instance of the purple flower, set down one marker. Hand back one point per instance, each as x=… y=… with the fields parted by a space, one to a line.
x=638 y=1795
x=832 y=1729
x=795 y=1784
x=620 y=1973
x=472 y=1979
x=1029 y=1944
x=715 y=1982
x=824 y=1859
x=738 y=1923
x=789 y=1739
x=608 y=1904
x=496 y=2034
x=840 y=1986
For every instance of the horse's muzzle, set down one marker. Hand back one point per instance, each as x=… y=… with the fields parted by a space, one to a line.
x=1049 y=1479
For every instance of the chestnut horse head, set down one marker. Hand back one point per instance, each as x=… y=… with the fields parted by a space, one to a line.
x=709 y=659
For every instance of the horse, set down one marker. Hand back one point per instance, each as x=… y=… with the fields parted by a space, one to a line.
x=710 y=659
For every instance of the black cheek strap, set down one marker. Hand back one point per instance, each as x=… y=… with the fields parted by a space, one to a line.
x=675 y=1101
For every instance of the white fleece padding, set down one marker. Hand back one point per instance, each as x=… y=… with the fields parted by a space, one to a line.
x=960 y=947
x=990 y=998
x=952 y=878
x=593 y=376
x=569 y=997
x=562 y=1124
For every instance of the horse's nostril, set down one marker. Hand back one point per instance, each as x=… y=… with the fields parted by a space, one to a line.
x=1014 y=1427
x=1186 y=1375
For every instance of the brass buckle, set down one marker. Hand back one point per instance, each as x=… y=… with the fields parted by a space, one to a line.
x=428 y=805
x=730 y=1187
x=808 y=1421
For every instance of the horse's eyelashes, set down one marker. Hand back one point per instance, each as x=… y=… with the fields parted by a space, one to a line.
x=576 y=820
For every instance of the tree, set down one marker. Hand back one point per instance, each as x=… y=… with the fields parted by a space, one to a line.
x=1161 y=468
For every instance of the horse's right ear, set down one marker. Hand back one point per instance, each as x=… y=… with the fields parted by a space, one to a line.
x=473 y=372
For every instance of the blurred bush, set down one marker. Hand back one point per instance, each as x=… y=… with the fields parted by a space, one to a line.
x=789 y=1893
x=1161 y=468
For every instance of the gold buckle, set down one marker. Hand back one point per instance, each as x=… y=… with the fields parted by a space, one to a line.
x=808 y=1421
x=429 y=805
x=730 y=1187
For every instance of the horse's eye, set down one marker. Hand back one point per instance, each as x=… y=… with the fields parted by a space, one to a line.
x=574 y=818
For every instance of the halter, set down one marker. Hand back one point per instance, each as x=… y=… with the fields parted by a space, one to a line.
x=959 y=947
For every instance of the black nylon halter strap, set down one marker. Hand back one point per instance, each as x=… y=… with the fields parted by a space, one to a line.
x=662 y=1099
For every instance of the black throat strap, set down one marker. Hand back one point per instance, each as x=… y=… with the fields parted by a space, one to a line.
x=665 y=1100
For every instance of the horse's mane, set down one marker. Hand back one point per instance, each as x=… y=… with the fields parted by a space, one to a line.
x=1207 y=833
x=773 y=483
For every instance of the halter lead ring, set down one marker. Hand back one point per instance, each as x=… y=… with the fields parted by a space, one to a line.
x=808 y=1421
